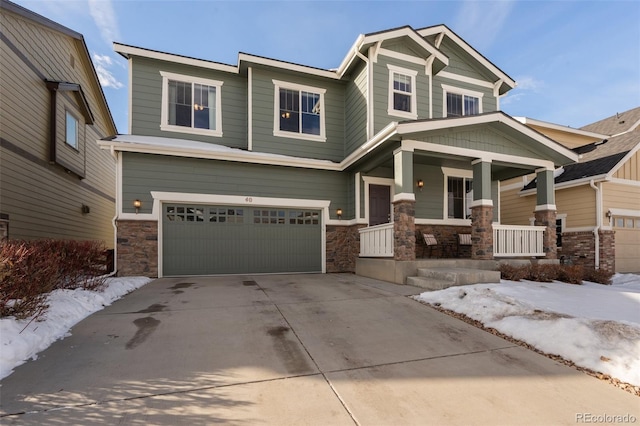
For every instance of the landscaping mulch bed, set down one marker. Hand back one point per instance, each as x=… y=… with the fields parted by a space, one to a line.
x=635 y=390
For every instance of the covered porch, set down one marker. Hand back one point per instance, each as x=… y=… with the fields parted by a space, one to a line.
x=443 y=178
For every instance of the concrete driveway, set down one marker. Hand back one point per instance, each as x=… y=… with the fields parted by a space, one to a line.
x=294 y=349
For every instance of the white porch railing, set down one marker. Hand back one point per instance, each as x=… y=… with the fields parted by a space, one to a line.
x=511 y=240
x=377 y=241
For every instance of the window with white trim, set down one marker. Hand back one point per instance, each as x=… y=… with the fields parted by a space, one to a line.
x=459 y=197
x=191 y=105
x=402 y=92
x=299 y=111
x=460 y=103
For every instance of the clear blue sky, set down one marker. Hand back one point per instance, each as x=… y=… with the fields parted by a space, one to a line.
x=575 y=62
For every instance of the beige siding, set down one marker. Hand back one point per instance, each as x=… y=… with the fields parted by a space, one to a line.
x=615 y=195
x=630 y=169
x=570 y=140
x=41 y=199
x=578 y=203
x=515 y=209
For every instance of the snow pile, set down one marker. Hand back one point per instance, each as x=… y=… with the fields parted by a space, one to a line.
x=21 y=340
x=593 y=325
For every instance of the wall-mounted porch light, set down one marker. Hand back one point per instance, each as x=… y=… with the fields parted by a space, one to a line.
x=420 y=184
x=339 y=213
x=609 y=214
x=137 y=204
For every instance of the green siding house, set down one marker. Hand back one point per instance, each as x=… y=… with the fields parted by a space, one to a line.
x=267 y=166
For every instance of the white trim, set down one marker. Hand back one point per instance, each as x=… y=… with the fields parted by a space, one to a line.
x=160 y=197
x=404 y=196
x=275 y=63
x=164 y=111
x=472 y=153
x=568 y=184
x=462 y=92
x=374 y=180
x=448 y=172
x=408 y=32
x=456 y=222
x=626 y=182
x=624 y=212
x=581 y=229
x=250 y=109
x=388 y=131
x=279 y=84
x=567 y=129
x=357 y=195
x=413 y=114
x=468 y=80
x=169 y=57
x=544 y=207
x=544 y=169
x=626 y=158
x=481 y=202
x=402 y=56
x=512 y=186
x=130 y=100
x=442 y=29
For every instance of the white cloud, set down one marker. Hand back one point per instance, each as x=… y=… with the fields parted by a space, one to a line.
x=481 y=22
x=104 y=16
x=102 y=63
x=529 y=83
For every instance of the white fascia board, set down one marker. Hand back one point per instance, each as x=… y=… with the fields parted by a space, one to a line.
x=470 y=50
x=474 y=153
x=169 y=57
x=388 y=131
x=497 y=117
x=464 y=79
x=624 y=212
x=553 y=126
x=568 y=184
x=412 y=34
x=351 y=56
x=226 y=155
x=624 y=159
x=245 y=57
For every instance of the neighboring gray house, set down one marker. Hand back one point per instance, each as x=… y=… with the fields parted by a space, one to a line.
x=269 y=166
x=55 y=182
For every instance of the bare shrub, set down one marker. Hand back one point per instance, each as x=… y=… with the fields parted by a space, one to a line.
x=29 y=270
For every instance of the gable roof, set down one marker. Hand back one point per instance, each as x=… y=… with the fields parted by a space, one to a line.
x=616 y=124
x=32 y=16
x=506 y=82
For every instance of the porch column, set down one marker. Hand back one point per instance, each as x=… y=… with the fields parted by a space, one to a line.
x=482 y=211
x=404 y=203
x=545 y=212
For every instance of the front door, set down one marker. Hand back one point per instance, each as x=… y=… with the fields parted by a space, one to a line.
x=379 y=204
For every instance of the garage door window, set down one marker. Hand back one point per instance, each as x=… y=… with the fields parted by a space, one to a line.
x=222 y=215
x=303 y=218
x=185 y=214
x=273 y=217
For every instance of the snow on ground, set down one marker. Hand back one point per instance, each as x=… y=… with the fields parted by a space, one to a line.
x=596 y=326
x=21 y=340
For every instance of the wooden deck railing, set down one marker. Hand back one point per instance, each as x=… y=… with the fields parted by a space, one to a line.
x=377 y=241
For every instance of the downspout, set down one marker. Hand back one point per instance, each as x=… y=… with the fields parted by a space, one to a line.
x=114 y=154
x=369 y=94
x=596 y=230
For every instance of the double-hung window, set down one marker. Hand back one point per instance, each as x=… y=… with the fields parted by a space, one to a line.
x=402 y=92
x=459 y=103
x=299 y=111
x=191 y=105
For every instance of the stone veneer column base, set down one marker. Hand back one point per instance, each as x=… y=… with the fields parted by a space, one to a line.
x=404 y=230
x=482 y=232
x=343 y=247
x=137 y=248
x=548 y=218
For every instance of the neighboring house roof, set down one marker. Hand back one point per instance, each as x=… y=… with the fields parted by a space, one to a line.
x=601 y=159
x=546 y=124
x=616 y=124
x=28 y=14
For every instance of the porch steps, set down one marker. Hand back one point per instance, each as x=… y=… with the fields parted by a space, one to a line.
x=439 y=278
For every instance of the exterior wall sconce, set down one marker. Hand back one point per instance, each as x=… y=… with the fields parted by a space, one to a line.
x=85 y=209
x=137 y=204
x=609 y=214
x=339 y=213
x=420 y=184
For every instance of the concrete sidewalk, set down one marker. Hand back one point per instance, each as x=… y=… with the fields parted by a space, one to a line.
x=294 y=349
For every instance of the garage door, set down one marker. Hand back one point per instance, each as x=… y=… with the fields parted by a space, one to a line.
x=207 y=240
x=628 y=248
